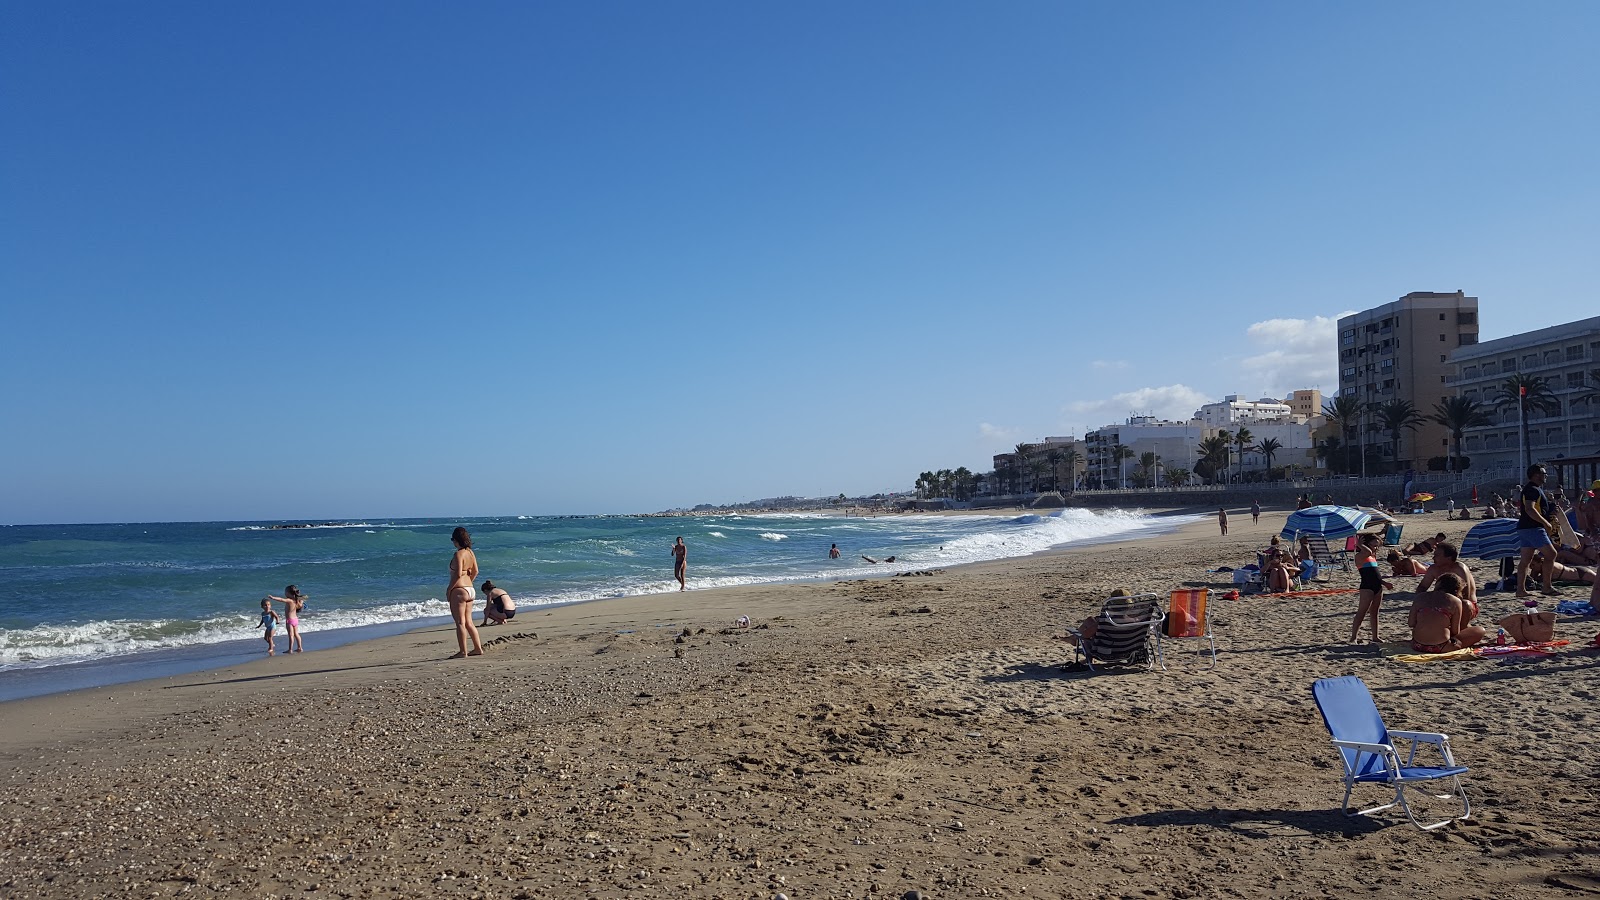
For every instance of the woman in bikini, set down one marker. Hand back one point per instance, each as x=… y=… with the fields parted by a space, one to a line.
x=293 y=602
x=1372 y=585
x=1436 y=618
x=1405 y=565
x=463 y=569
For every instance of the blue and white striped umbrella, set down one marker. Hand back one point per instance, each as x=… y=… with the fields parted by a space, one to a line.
x=1491 y=539
x=1331 y=522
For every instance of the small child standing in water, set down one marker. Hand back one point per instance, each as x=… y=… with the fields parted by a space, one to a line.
x=269 y=624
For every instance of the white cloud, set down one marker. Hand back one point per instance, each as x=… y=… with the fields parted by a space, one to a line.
x=1293 y=354
x=996 y=434
x=1173 y=401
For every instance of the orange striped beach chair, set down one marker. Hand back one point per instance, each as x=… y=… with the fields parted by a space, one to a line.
x=1186 y=619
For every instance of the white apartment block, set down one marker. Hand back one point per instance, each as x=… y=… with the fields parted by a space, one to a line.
x=1233 y=412
x=1176 y=445
x=1564 y=355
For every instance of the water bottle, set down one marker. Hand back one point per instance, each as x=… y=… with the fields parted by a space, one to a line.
x=1500 y=638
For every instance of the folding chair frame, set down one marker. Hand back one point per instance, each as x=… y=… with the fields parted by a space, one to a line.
x=1390 y=771
x=1082 y=650
x=1208 y=635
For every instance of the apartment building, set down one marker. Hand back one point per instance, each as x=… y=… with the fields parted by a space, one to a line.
x=1567 y=357
x=1402 y=351
x=1176 y=445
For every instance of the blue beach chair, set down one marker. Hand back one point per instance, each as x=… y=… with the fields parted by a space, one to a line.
x=1367 y=748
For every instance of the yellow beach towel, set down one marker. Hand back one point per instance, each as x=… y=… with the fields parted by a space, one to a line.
x=1452 y=656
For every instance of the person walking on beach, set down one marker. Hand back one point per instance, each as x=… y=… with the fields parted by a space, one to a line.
x=1255 y=512
x=463 y=568
x=680 y=563
x=293 y=602
x=498 y=607
x=1533 y=534
x=269 y=624
x=1222 y=520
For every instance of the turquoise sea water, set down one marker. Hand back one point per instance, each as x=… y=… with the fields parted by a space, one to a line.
x=94 y=594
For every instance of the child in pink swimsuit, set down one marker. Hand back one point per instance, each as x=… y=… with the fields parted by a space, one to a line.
x=292 y=604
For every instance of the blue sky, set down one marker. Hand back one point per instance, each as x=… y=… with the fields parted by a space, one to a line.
x=402 y=259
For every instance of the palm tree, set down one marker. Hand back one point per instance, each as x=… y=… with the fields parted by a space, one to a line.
x=1242 y=439
x=1213 y=456
x=1120 y=452
x=1393 y=416
x=1055 y=456
x=1268 y=449
x=962 y=478
x=1147 y=467
x=1458 y=414
x=1177 y=476
x=1072 y=458
x=1023 y=452
x=1037 y=467
x=1329 y=448
x=1346 y=410
x=1527 y=392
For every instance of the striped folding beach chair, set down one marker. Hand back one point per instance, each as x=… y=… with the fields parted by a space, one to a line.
x=1127 y=633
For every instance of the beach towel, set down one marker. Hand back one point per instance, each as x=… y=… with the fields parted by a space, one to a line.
x=1542 y=648
x=1452 y=656
x=1576 y=608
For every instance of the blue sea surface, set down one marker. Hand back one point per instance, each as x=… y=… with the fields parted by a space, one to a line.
x=120 y=599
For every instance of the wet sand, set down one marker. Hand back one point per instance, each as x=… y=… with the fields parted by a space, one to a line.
x=864 y=739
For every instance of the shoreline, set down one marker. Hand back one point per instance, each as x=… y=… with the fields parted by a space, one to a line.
x=37 y=681
x=876 y=736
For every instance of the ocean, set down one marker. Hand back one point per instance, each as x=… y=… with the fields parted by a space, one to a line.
x=85 y=605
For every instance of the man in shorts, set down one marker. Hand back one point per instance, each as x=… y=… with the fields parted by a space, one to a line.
x=1533 y=533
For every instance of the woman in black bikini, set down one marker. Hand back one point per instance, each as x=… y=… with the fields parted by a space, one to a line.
x=1372 y=586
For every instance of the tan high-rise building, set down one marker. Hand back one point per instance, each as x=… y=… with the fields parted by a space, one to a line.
x=1306 y=403
x=1401 y=351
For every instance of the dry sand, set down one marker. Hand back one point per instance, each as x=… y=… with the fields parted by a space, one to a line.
x=867 y=739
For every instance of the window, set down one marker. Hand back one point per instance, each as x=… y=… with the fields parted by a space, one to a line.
x=1387 y=364
x=1490 y=442
x=1469 y=372
x=1552 y=357
x=1467 y=318
x=1580 y=434
x=1470 y=395
x=1467 y=340
x=1388 y=384
x=1471 y=443
x=1508 y=364
x=1574 y=379
x=1348 y=372
x=1530 y=361
x=1575 y=353
x=1441 y=338
x=1441 y=317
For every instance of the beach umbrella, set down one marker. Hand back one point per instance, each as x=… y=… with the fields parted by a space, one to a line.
x=1419 y=497
x=1377 y=516
x=1491 y=539
x=1331 y=522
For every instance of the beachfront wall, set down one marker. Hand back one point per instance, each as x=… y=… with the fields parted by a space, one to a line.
x=1563 y=355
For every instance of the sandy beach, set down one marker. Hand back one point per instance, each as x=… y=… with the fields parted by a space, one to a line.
x=865 y=738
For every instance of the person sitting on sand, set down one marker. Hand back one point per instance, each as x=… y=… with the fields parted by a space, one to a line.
x=1435 y=618
x=498 y=607
x=1447 y=561
x=1425 y=548
x=1405 y=565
